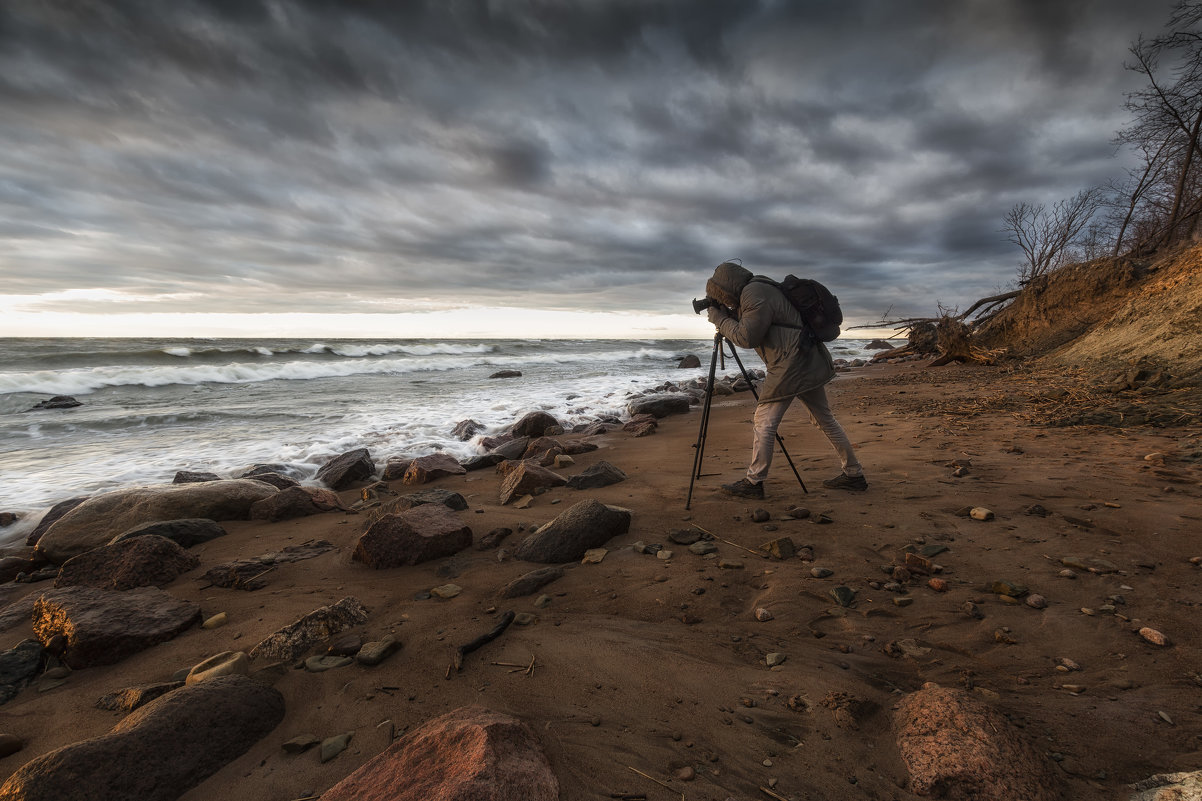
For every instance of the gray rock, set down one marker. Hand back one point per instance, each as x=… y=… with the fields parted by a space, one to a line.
x=18 y=666
x=602 y=474
x=333 y=746
x=102 y=627
x=345 y=469
x=660 y=405
x=194 y=477
x=703 y=547
x=375 y=652
x=99 y=519
x=311 y=630
x=482 y=461
x=466 y=429
x=322 y=663
x=684 y=536
x=186 y=532
x=159 y=751
x=513 y=449
x=588 y=524
x=57 y=402
x=532 y=582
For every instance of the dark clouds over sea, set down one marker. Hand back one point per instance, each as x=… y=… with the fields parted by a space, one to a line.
x=242 y=155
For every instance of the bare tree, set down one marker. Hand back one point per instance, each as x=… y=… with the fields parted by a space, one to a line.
x=1046 y=235
x=1167 y=123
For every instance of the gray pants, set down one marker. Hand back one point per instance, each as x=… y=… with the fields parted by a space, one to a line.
x=767 y=420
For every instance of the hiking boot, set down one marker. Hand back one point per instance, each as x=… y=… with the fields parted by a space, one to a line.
x=846 y=482
x=744 y=489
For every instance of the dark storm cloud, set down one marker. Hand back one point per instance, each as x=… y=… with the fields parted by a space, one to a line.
x=331 y=156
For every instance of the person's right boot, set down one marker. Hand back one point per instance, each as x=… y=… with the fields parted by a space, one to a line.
x=744 y=489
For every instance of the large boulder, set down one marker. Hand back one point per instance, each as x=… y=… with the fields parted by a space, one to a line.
x=602 y=474
x=535 y=424
x=347 y=468
x=424 y=469
x=186 y=532
x=955 y=746
x=52 y=516
x=101 y=627
x=448 y=498
x=293 y=502
x=468 y=754
x=527 y=478
x=588 y=524
x=98 y=519
x=425 y=532
x=160 y=750
x=144 y=561
x=302 y=635
x=660 y=405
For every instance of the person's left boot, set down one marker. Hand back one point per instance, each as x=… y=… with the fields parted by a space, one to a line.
x=744 y=489
x=846 y=482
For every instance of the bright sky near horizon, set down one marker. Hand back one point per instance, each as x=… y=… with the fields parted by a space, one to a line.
x=454 y=168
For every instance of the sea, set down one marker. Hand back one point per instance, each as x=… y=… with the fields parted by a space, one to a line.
x=152 y=407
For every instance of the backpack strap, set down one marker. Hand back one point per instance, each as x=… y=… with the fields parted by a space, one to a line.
x=763 y=279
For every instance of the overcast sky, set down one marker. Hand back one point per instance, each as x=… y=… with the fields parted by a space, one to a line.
x=221 y=157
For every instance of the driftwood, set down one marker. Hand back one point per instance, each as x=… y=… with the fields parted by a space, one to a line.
x=483 y=639
x=947 y=337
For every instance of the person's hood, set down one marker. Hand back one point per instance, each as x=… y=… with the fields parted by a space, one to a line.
x=727 y=283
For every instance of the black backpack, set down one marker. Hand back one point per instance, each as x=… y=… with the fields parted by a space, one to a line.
x=814 y=302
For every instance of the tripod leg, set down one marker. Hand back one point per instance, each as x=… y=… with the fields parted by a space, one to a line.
x=705 y=420
x=779 y=441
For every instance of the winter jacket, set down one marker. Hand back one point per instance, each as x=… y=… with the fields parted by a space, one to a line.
x=796 y=362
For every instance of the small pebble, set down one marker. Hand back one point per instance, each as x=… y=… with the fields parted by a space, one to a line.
x=763 y=615
x=937 y=584
x=821 y=572
x=686 y=774
x=1037 y=601
x=774 y=659
x=1153 y=636
x=980 y=513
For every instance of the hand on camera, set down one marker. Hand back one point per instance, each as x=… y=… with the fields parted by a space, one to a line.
x=716 y=314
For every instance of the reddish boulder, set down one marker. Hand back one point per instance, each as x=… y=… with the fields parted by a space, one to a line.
x=469 y=754
x=527 y=478
x=427 y=468
x=294 y=502
x=103 y=626
x=425 y=532
x=345 y=469
x=159 y=751
x=955 y=746
x=144 y=561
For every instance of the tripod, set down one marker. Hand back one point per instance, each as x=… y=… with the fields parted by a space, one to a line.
x=705 y=415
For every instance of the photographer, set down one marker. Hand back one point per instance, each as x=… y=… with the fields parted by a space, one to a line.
x=798 y=366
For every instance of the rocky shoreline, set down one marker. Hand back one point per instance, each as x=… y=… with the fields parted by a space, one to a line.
x=553 y=601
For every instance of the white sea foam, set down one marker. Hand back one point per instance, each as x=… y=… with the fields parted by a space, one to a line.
x=181 y=352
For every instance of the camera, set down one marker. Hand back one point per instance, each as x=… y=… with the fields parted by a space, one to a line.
x=703 y=304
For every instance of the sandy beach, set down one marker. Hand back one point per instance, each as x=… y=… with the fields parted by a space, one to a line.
x=643 y=666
